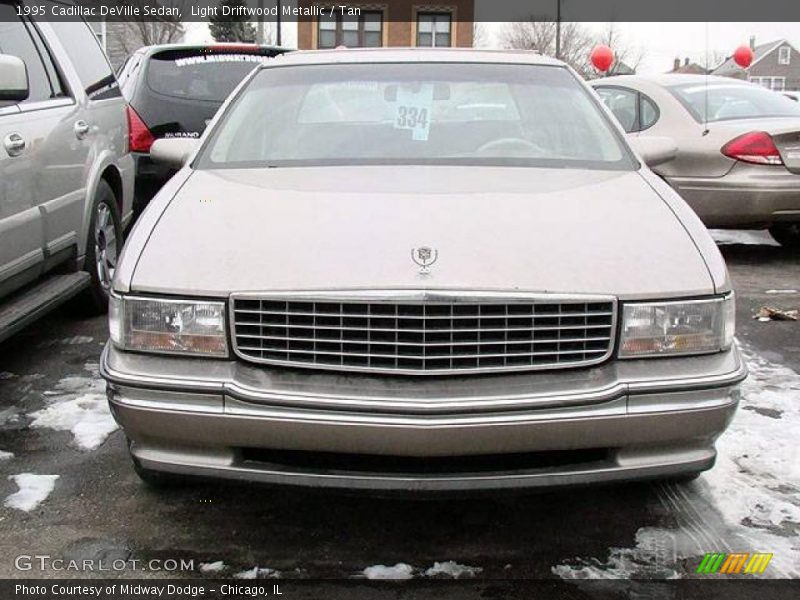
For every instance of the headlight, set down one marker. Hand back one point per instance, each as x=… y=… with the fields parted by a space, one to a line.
x=173 y=326
x=670 y=328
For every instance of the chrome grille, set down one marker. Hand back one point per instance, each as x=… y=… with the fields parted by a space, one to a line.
x=423 y=333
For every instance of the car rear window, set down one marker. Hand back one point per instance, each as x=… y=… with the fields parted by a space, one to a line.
x=725 y=101
x=204 y=74
x=423 y=113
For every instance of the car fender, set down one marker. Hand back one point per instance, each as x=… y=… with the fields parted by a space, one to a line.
x=105 y=159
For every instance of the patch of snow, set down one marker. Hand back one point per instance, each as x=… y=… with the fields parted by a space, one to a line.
x=725 y=237
x=755 y=485
x=452 y=569
x=78 y=404
x=398 y=571
x=654 y=557
x=781 y=292
x=77 y=339
x=212 y=567
x=6 y=375
x=9 y=415
x=33 y=489
x=258 y=573
x=6 y=455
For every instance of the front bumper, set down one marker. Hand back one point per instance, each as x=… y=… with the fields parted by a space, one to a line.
x=622 y=420
x=747 y=196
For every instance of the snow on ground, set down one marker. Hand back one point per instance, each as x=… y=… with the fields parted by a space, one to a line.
x=33 y=489
x=754 y=490
x=212 y=567
x=452 y=569
x=257 y=573
x=755 y=484
x=654 y=557
x=725 y=237
x=78 y=404
x=6 y=455
x=9 y=416
x=398 y=571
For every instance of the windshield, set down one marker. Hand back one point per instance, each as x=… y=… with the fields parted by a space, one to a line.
x=733 y=101
x=424 y=113
x=204 y=75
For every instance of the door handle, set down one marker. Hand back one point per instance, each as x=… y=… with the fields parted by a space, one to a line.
x=14 y=144
x=81 y=129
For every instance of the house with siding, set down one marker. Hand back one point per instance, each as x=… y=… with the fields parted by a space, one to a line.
x=775 y=65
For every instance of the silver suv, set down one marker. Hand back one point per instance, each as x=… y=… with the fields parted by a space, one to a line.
x=66 y=175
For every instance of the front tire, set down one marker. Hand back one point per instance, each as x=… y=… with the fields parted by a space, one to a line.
x=103 y=247
x=787 y=235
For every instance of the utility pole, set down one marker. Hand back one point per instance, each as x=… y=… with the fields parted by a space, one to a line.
x=260 y=26
x=558 y=29
x=278 y=24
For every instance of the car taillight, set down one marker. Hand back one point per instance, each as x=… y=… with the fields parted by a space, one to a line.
x=755 y=147
x=139 y=137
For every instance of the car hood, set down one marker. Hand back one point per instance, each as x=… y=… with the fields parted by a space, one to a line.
x=538 y=230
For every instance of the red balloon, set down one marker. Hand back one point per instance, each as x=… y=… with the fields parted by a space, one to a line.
x=743 y=56
x=602 y=57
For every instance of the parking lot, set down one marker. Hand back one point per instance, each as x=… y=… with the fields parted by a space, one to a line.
x=54 y=421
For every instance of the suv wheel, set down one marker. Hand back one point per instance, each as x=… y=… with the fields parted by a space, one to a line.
x=103 y=247
x=787 y=235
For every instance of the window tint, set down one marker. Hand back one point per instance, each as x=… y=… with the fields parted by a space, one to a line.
x=622 y=103
x=128 y=74
x=634 y=111
x=733 y=101
x=16 y=40
x=200 y=75
x=87 y=58
x=648 y=112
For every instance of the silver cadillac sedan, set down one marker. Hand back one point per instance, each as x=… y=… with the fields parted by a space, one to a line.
x=419 y=270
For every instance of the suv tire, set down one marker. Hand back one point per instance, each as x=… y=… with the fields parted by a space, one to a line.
x=103 y=247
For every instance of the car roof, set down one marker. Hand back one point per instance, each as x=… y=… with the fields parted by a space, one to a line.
x=401 y=55
x=154 y=49
x=666 y=79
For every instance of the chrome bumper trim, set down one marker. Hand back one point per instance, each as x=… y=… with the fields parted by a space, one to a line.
x=450 y=405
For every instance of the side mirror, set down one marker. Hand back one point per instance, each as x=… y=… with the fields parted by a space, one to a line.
x=654 y=150
x=173 y=151
x=13 y=79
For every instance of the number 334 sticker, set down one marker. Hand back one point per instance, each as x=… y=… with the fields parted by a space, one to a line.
x=413 y=111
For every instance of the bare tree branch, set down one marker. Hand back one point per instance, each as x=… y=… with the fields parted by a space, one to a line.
x=624 y=52
x=576 y=41
x=480 y=37
x=151 y=30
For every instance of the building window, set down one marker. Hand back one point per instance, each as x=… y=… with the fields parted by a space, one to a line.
x=771 y=83
x=433 y=29
x=364 y=31
x=784 y=55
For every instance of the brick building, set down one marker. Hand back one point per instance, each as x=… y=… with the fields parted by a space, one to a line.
x=391 y=23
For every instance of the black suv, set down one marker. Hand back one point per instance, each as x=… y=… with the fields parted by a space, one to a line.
x=173 y=91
